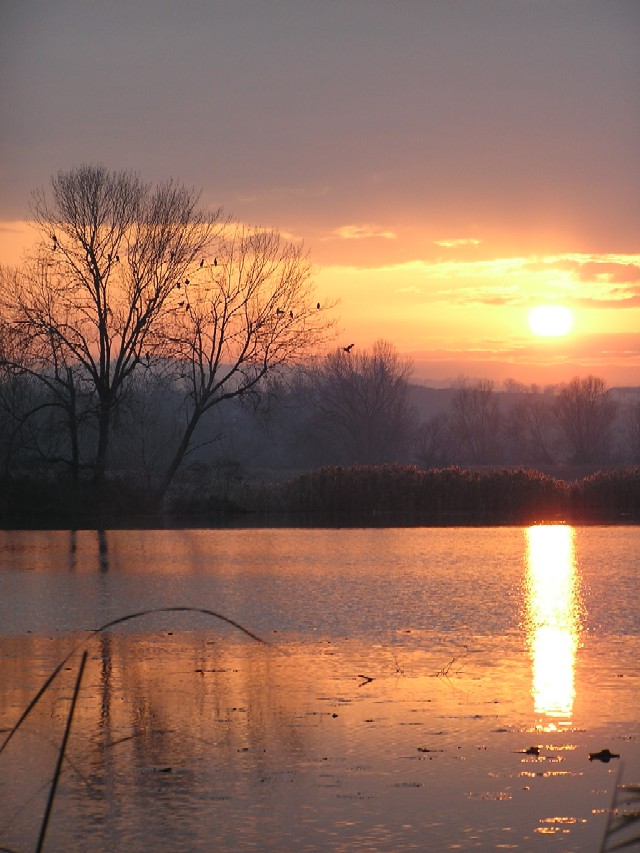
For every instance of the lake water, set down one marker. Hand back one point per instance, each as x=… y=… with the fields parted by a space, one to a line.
x=388 y=700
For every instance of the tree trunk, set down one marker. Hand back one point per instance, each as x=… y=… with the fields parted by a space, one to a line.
x=73 y=429
x=178 y=457
x=104 y=424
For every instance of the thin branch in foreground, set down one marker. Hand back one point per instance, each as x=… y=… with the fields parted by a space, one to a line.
x=112 y=623
x=63 y=746
x=624 y=812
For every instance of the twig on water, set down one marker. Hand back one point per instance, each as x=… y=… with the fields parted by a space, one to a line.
x=399 y=668
x=63 y=746
x=446 y=669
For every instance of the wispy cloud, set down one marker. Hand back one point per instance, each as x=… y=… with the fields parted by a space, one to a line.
x=603 y=280
x=593 y=349
x=362 y=232
x=597 y=281
x=11 y=227
x=458 y=242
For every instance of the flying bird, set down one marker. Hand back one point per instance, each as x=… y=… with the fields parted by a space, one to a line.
x=348 y=348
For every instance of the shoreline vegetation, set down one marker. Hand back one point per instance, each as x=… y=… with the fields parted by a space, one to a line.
x=333 y=496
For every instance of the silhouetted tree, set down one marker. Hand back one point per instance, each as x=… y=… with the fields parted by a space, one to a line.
x=631 y=430
x=131 y=279
x=585 y=414
x=433 y=441
x=531 y=428
x=361 y=403
x=476 y=421
x=111 y=251
x=252 y=312
x=39 y=407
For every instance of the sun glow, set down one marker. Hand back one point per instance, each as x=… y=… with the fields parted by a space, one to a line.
x=550 y=320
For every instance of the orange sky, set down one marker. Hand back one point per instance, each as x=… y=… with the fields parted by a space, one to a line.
x=449 y=165
x=459 y=316
x=459 y=313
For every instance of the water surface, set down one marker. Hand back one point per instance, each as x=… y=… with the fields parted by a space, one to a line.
x=403 y=677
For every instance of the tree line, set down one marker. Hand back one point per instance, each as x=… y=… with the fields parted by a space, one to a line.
x=578 y=423
x=359 y=410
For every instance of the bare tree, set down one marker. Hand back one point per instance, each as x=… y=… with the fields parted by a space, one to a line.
x=433 y=441
x=532 y=428
x=111 y=252
x=37 y=409
x=585 y=414
x=361 y=403
x=146 y=427
x=631 y=426
x=241 y=318
x=476 y=421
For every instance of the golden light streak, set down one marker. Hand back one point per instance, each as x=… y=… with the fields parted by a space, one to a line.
x=553 y=619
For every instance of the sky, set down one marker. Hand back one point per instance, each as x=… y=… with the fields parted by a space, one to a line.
x=449 y=164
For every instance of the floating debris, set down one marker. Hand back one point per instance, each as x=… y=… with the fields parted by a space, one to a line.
x=604 y=755
x=532 y=750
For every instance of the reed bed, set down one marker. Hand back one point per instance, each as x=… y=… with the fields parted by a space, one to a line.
x=446 y=495
x=366 y=494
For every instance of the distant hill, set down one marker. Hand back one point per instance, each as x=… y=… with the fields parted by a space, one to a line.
x=429 y=402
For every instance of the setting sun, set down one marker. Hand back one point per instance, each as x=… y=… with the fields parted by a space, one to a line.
x=550 y=320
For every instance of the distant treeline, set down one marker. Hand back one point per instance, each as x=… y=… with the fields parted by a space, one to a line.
x=336 y=495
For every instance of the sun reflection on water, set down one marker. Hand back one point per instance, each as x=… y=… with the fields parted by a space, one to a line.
x=553 y=619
